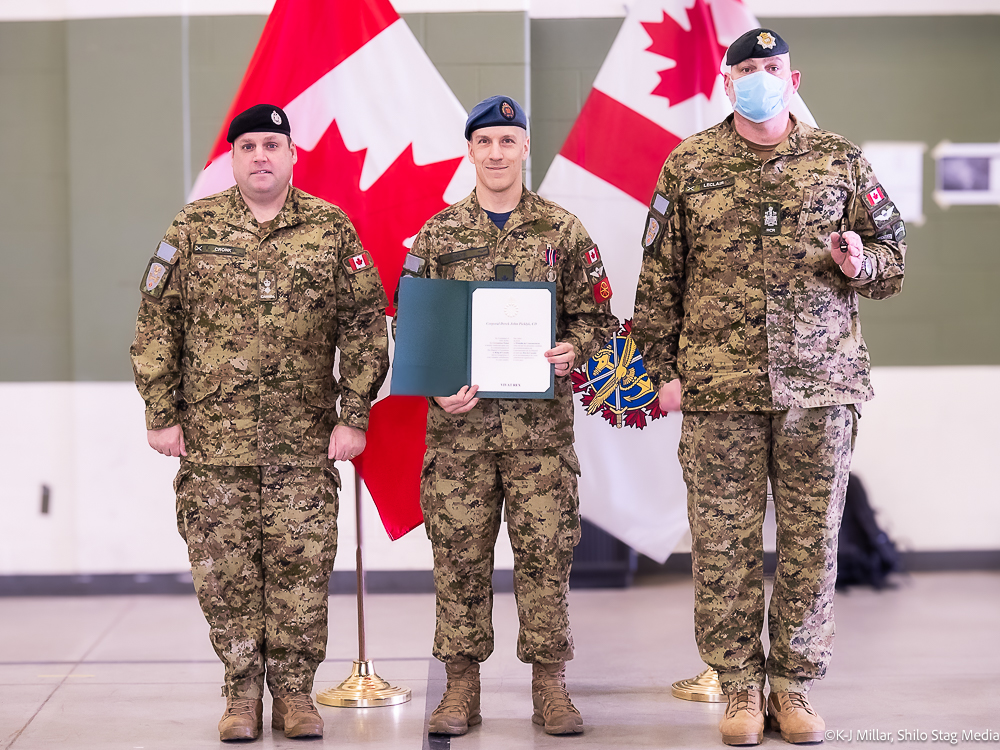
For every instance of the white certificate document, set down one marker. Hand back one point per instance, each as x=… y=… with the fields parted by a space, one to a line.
x=511 y=329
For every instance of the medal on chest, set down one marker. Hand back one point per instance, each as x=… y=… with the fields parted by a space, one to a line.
x=550 y=261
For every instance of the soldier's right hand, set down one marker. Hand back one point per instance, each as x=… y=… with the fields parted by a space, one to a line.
x=169 y=441
x=670 y=396
x=461 y=402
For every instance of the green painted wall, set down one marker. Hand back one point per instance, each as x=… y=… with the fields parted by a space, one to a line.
x=94 y=171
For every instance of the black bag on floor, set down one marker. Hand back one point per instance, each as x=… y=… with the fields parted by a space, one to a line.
x=866 y=555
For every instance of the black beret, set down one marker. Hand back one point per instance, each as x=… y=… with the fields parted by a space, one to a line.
x=497 y=110
x=260 y=118
x=756 y=43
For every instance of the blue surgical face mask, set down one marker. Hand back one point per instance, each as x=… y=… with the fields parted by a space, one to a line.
x=759 y=96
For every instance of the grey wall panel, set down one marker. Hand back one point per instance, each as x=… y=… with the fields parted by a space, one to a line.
x=126 y=180
x=566 y=55
x=220 y=51
x=35 y=273
x=477 y=54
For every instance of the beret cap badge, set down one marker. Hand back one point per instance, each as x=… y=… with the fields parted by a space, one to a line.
x=507 y=111
x=275 y=117
x=765 y=40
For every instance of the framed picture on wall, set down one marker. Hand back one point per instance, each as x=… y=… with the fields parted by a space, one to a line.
x=968 y=174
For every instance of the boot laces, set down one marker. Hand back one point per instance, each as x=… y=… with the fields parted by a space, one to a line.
x=555 y=696
x=798 y=700
x=238 y=706
x=298 y=702
x=742 y=702
x=457 y=695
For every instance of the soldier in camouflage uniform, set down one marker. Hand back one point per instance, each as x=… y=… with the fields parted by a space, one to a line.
x=244 y=304
x=761 y=234
x=483 y=453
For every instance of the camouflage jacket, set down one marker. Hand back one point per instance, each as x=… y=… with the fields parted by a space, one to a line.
x=238 y=327
x=463 y=243
x=739 y=295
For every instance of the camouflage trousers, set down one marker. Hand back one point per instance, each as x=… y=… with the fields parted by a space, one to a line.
x=727 y=458
x=462 y=496
x=261 y=540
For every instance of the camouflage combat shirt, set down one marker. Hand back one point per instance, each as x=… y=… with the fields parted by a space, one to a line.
x=739 y=295
x=463 y=243
x=239 y=324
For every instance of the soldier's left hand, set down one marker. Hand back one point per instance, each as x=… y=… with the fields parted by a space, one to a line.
x=346 y=442
x=850 y=261
x=562 y=355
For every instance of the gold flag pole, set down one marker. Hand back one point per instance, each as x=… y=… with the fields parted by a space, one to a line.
x=364 y=688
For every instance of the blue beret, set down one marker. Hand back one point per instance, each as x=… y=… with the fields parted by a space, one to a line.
x=497 y=110
x=260 y=118
x=756 y=43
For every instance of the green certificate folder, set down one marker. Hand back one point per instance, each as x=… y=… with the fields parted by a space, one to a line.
x=447 y=331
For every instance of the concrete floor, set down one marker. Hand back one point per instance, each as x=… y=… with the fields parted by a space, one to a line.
x=137 y=673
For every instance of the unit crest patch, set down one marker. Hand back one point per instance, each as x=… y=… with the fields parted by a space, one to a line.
x=614 y=383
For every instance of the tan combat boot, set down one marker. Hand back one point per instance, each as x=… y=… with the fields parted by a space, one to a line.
x=242 y=720
x=743 y=723
x=296 y=714
x=459 y=706
x=553 y=708
x=792 y=715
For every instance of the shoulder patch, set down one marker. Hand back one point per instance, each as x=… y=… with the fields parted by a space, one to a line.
x=592 y=257
x=899 y=231
x=660 y=205
x=167 y=252
x=414 y=265
x=154 y=281
x=652 y=233
x=885 y=215
x=875 y=197
x=359 y=262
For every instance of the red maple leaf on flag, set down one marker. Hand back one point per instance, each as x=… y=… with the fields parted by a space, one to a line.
x=388 y=212
x=697 y=53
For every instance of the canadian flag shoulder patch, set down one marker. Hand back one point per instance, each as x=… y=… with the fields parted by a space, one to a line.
x=359 y=262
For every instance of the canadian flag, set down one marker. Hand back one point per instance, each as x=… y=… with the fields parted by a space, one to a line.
x=660 y=83
x=379 y=134
x=359 y=261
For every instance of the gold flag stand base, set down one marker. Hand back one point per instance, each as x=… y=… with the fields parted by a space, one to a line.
x=363 y=689
x=705 y=687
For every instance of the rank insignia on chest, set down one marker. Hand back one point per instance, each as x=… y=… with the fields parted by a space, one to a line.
x=268 y=285
x=592 y=256
x=770 y=217
x=359 y=262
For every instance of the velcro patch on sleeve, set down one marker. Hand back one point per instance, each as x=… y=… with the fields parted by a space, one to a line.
x=660 y=205
x=357 y=263
x=167 y=252
x=592 y=257
x=154 y=281
x=414 y=265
